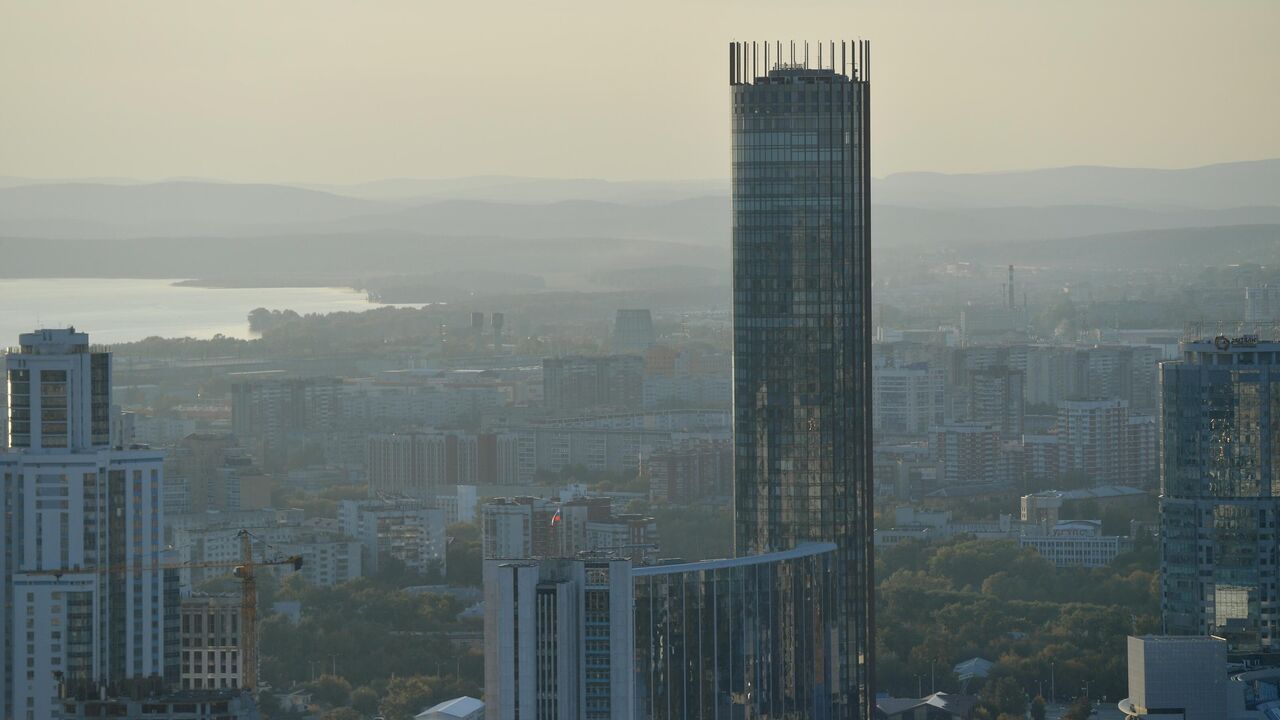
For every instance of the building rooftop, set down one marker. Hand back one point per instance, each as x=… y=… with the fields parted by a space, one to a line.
x=793 y=62
x=1239 y=335
x=1093 y=493
x=52 y=341
x=458 y=707
x=970 y=490
x=954 y=704
x=805 y=550
x=975 y=667
x=1178 y=638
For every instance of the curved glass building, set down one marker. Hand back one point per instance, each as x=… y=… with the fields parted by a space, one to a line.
x=802 y=328
x=751 y=637
x=1220 y=499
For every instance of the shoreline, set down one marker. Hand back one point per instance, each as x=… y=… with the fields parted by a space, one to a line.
x=253 y=283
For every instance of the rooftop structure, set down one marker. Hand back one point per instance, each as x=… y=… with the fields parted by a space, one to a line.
x=459 y=708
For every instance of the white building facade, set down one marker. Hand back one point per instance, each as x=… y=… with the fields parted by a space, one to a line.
x=405 y=530
x=563 y=639
x=82 y=531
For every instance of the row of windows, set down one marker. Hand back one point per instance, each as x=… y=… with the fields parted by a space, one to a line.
x=832 y=137
x=846 y=119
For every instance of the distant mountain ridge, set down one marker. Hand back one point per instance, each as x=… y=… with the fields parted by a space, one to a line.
x=1146 y=249
x=1220 y=185
x=913 y=211
x=528 y=190
x=197 y=210
x=180 y=207
x=1223 y=185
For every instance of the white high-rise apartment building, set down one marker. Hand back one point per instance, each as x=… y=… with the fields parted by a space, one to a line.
x=909 y=400
x=403 y=529
x=1262 y=304
x=562 y=639
x=73 y=506
x=1091 y=439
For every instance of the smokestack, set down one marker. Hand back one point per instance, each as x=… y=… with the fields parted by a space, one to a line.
x=1011 y=304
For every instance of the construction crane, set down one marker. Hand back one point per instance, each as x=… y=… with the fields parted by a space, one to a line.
x=244 y=570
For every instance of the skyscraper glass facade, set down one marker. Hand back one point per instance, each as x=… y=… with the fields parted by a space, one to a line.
x=748 y=637
x=802 y=336
x=1220 y=502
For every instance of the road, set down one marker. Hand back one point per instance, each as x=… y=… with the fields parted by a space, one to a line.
x=1103 y=711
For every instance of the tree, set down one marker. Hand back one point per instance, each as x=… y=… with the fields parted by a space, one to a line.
x=693 y=534
x=406 y=697
x=1005 y=696
x=1037 y=708
x=949 y=601
x=1079 y=710
x=331 y=690
x=365 y=699
x=463 y=555
x=967 y=564
x=342 y=713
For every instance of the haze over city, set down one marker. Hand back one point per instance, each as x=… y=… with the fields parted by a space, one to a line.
x=671 y=360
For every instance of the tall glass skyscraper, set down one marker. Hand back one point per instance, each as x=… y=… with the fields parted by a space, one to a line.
x=802 y=324
x=1220 y=495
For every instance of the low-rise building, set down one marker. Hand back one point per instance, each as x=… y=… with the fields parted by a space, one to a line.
x=329 y=558
x=211 y=642
x=630 y=536
x=529 y=527
x=1046 y=507
x=1072 y=543
x=184 y=705
x=1177 y=676
x=938 y=706
x=935 y=525
x=459 y=708
x=459 y=506
x=406 y=530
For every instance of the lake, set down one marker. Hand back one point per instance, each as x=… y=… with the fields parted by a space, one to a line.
x=122 y=310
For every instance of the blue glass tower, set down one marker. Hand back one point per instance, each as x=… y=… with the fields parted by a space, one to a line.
x=1220 y=499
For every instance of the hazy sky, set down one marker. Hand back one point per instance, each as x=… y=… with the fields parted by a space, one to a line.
x=323 y=91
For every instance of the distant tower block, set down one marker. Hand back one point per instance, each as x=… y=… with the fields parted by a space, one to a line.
x=1262 y=304
x=633 y=331
x=477 y=327
x=498 y=322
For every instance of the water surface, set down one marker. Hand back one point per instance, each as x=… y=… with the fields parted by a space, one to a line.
x=121 y=310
